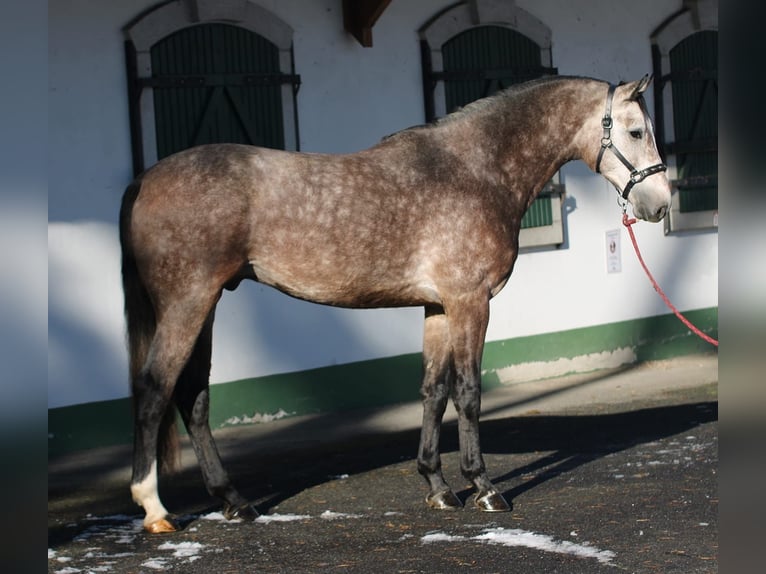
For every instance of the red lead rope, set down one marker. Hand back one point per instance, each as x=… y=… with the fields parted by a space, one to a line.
x=627 y=223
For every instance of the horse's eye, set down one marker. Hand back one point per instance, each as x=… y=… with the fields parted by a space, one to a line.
x=636 y=134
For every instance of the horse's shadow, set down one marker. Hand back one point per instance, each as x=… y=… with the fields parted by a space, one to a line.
x=272 y=471
x=572 y=441
x=567 y=441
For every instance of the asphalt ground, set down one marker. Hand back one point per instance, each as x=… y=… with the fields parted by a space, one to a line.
x=609 y=471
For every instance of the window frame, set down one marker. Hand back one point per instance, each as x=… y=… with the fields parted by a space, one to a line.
x=151 y=27
x=696 y=16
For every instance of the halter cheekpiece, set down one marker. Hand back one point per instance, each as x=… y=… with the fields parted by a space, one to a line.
x=636 y=176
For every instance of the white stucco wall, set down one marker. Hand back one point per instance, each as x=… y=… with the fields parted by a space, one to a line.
x=350 y=97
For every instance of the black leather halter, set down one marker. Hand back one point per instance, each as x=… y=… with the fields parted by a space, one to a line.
x=636 y=176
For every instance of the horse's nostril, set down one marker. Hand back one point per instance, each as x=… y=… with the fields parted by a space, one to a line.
x=661 y=212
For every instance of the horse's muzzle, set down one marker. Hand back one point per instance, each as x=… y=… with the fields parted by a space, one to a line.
x=651 y=214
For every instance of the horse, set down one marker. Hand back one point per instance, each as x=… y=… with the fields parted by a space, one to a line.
x=427 y=217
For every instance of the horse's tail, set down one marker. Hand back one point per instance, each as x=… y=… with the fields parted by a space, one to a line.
x=141 y=325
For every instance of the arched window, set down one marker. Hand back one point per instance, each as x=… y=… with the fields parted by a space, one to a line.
x=206 y=72
x=685 y=57
x=470 y=51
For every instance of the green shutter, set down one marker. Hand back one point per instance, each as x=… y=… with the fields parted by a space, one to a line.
x=694 y=69
x=539 y=213
x=482 y=61
x=506 y=56
x=209 y=87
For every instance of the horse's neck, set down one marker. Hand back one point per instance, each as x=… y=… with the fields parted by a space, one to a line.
x=543 y=130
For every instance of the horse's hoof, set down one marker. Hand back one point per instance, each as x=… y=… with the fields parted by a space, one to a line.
x=161 y=526
x=444 y=500
x=491 y=501
x=246 y=512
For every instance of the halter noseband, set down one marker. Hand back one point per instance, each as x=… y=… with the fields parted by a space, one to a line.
x=606 y=143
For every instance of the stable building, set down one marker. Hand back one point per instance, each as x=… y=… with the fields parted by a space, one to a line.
x=133 y=81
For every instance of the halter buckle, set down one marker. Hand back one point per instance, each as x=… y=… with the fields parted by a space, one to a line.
x=623 y=203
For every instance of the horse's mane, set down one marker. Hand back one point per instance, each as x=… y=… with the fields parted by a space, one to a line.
x=503 y=96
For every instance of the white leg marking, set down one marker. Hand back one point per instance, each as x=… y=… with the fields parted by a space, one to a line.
x=145 y=494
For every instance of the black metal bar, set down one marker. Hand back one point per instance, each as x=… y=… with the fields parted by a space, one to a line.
x=271 y=80
x=659 y=108
x=134 y=109
x=492 y=74
x=213 y=80
x=693 y=146
x=692 y=75
x=429 y=84
x=174 y=82
x=296 y=87
x=552 y=189
x=696 y=181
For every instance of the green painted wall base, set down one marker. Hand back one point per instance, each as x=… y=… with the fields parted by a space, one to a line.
x=380 y=382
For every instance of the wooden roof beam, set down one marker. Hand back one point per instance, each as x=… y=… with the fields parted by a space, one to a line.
x=359 y=16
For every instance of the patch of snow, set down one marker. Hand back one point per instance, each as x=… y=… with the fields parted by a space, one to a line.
x=67 y=570
x=156 y=563
x=525 y=538
x=182 y=549
x=124 y=532
x=266 y=519
x=517 y=537
x=257 y=418
x=106 y=555
x=110 y=517
x=440 y=537
x=330 y=515
x=218 y=516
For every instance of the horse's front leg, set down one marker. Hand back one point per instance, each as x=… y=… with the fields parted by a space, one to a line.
x=468 y=320
x=435 y=390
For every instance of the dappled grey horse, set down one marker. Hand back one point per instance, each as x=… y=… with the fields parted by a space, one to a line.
x=428 y=217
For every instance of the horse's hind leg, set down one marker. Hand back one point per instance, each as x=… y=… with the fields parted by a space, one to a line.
x=435 y=390
x=153 y=389
x=468 y=320
x=192 y=397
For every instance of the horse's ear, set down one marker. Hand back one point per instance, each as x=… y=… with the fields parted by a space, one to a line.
x=639 y=87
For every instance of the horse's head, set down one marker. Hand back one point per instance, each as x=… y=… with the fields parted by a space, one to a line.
x=628 y=155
